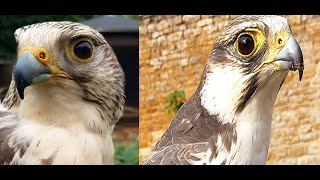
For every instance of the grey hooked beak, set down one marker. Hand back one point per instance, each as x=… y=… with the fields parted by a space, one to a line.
x=29 y=71
x=290 y=57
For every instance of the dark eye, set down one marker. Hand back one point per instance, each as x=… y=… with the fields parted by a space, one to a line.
x=245 y=44
x=83 y=50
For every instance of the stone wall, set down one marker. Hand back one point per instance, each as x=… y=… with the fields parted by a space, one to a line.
x=173 y=51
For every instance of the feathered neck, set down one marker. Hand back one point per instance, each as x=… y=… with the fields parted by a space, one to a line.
x=228 y=92
x=55 y=106
x=221 y=95
x=12 y=100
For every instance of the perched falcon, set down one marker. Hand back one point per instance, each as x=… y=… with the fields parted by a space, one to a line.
x=228 y=118
x=66 y=94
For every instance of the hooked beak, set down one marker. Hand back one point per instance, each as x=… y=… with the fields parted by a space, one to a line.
x=28 y=71
x=290 y=57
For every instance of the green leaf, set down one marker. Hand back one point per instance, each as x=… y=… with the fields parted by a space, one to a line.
x=174 y=101
x=127 y=154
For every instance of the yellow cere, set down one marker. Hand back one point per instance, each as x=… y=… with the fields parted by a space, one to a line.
x=275 y=45
x=43 y=56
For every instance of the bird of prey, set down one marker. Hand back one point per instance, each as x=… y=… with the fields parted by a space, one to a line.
x=228 y=118
x=66 y=94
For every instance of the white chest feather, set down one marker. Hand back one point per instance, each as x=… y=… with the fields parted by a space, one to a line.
x=55 y=145
x=221 y=91
x=252 y=124
x=61 y=130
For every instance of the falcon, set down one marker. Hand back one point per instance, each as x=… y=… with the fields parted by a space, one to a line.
x=228 y=118
x=66 y=95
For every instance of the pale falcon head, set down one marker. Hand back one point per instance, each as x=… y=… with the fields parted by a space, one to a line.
x=66 y=95
x=68 y=58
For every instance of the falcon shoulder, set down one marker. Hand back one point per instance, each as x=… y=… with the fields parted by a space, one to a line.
x=8 y=121
x=193 y=137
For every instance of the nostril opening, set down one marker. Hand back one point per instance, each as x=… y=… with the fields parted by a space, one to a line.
x=42 y=55
x=279 y=41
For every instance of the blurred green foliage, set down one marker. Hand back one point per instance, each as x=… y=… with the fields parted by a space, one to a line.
x=132 y=16
x=174 y=101
x=9 y=23
x=127 y=154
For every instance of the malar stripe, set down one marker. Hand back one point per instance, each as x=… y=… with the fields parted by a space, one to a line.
x=247 y=93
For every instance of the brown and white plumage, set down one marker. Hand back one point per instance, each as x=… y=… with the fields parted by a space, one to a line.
x=72 y=94
x=228 y=118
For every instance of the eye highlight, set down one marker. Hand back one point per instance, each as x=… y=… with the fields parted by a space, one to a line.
x=249 y=42
x=246 y=44
x=81 y=50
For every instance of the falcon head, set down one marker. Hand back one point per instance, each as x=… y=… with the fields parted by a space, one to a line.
x=251 y=58
x=228 y=118
x=68 y=61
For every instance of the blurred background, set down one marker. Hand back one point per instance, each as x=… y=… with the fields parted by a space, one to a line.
x=121 y=32
x=172 y=53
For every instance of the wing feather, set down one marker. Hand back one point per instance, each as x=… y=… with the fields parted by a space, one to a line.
x=192 y=133
x=179 y=154
x=8 y=121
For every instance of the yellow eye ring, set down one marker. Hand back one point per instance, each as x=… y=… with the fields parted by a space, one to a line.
x=81 y=50
x=245 y=44
x=249 y=42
